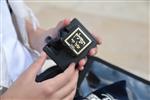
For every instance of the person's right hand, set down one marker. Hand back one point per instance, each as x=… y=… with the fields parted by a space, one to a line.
x=61 y=87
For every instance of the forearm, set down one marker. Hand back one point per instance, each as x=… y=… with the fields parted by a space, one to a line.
x=36 y=38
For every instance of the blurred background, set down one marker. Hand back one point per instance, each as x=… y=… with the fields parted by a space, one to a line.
x=123 y=26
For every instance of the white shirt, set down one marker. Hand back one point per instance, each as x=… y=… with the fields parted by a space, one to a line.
x=14 y=56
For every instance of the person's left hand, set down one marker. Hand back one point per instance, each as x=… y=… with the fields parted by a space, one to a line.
x=41 y=34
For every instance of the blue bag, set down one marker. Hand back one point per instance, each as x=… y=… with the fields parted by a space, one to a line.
x=101 y=77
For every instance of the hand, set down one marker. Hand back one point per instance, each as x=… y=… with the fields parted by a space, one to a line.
x=61 y=87
x=41 y=34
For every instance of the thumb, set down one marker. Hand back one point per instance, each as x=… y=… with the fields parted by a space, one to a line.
x=37 y=65
x=62 y=23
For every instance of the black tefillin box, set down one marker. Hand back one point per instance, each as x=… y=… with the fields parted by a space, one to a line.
x=72 y=44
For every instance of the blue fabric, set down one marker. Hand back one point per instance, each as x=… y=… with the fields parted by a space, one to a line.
x=136 y=89
x=115 y=91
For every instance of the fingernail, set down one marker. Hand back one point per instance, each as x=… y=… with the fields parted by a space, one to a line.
x=66 y=21
x=81 y=68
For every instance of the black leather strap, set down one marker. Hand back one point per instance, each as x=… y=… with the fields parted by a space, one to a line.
x=49 y=73
x=10 y=9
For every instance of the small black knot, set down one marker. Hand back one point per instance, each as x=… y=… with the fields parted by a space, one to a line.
x=48 y=39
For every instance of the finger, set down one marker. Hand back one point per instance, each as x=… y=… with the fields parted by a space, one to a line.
x=37 y=65
x=82 y=62
x=61 y=79
x=68 y=88
x=62 y=24
x=92 y=52
x=59 y=26
x=81 y=68
x=98 y=38
x=71 y=95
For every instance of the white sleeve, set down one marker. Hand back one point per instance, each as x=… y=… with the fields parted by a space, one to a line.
x=21 y=12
